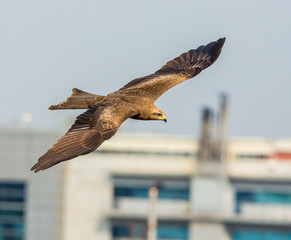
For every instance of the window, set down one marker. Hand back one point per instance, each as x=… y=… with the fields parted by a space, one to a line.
x=138 y=230
x=263 y=197
x=12 y=205
x=133 y=229
x=251 y=156
x=149 y=153
x=137 y=187
x=142 y=192
x=172 y=231
x=244 y=233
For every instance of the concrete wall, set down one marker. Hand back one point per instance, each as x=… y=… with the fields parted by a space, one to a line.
x=208 y=231
x=18 y=152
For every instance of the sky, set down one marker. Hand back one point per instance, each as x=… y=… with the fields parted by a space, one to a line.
x=49 y=47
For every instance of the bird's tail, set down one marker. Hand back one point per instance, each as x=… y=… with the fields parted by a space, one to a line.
x=78 y=100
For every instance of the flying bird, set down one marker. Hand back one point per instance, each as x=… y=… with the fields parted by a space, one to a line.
x=135 y=100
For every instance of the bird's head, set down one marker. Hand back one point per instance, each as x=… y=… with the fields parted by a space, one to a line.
x=158 y=115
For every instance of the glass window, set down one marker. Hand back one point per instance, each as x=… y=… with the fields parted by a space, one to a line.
x=172 y=231
x=138 y=230
x=263 y=197
x=12 y=203
x=126 y=229
x=260 y=234
x=142 y=192
x=137 y=187
x=119 y=230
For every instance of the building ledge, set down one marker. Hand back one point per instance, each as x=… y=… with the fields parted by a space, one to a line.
x=204 y=218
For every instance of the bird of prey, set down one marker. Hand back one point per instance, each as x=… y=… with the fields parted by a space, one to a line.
x=135 y=100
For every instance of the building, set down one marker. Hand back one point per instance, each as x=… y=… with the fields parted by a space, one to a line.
x=104 y=195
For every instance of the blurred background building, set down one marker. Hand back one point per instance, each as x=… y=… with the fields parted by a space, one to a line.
x=213 y=187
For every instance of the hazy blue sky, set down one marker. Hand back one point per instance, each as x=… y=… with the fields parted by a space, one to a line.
x=49 y=47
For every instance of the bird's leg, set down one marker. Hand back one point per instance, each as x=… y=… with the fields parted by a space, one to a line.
x=78 y=100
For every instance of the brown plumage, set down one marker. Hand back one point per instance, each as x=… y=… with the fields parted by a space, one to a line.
x=135 y=100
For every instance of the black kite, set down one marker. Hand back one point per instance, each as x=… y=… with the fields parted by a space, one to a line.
x=135 y=100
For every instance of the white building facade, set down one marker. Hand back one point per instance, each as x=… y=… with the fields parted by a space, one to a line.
x=104 y=195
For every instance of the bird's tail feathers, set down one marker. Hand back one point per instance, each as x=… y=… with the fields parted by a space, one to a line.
x=78 y=100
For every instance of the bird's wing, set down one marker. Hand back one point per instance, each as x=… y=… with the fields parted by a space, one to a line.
x=89 y=131
x=184 y=67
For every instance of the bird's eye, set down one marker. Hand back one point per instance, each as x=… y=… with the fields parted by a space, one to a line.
x=159 y=114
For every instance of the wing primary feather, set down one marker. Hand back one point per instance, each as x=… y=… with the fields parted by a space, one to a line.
x=188 y=62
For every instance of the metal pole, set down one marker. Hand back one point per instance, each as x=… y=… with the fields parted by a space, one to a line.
x=223 y=126
x=152 y=217
x=205 y=144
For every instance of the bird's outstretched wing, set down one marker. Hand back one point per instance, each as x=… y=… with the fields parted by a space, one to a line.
x=184 y=67
x=89 y=131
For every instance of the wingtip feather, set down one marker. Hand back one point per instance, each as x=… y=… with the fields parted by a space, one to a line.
x=35 y=168
x=195 y=60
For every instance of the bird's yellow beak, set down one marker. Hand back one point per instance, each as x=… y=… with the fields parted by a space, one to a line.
x=164 y=118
